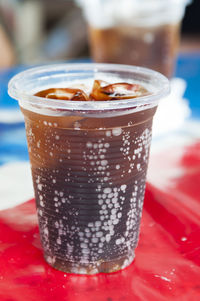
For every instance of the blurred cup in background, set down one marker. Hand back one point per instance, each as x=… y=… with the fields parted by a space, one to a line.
x=137 y=32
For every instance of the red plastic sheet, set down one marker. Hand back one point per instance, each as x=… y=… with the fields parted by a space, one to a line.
x=167 y=264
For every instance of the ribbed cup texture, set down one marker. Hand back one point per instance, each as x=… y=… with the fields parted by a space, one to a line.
x=89 y=186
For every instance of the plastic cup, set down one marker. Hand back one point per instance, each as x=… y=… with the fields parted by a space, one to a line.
x=137 y=32
x=89 y=162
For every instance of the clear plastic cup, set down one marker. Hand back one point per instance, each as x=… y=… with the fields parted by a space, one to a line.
x=137 y=32
x=89 y=161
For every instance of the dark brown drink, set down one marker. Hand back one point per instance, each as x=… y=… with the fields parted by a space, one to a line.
x=89 y=150
x=89 y=179
x=154 y=47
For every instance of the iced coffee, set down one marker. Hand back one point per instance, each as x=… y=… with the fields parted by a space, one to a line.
x=88 y=142
x=153 y=47
x=137 y=32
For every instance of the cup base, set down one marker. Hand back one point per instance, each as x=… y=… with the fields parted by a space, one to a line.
x=91 y=268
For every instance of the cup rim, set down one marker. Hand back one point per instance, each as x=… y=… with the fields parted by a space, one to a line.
x=166 y=2
x=15 y=90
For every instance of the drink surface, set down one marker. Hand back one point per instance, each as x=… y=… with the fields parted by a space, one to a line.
x=89 y=180
x=101 y=91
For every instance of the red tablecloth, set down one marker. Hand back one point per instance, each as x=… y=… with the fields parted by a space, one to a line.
x=167 y=263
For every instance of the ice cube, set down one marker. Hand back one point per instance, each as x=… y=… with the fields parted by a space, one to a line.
x=116 y=91
x=64 y=94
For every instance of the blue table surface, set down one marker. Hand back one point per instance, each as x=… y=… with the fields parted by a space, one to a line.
x=12 y=136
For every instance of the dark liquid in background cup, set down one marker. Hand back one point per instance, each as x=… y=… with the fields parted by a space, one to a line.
x=89 y=179
x=135 y=32
x=153 y=47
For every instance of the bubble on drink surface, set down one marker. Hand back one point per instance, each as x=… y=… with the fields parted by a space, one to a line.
x=104 y=162
x=123 y=187
x=89 y=144
x=148 y=37
x=108 y=133
x=116 y=131
x=39 y=187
